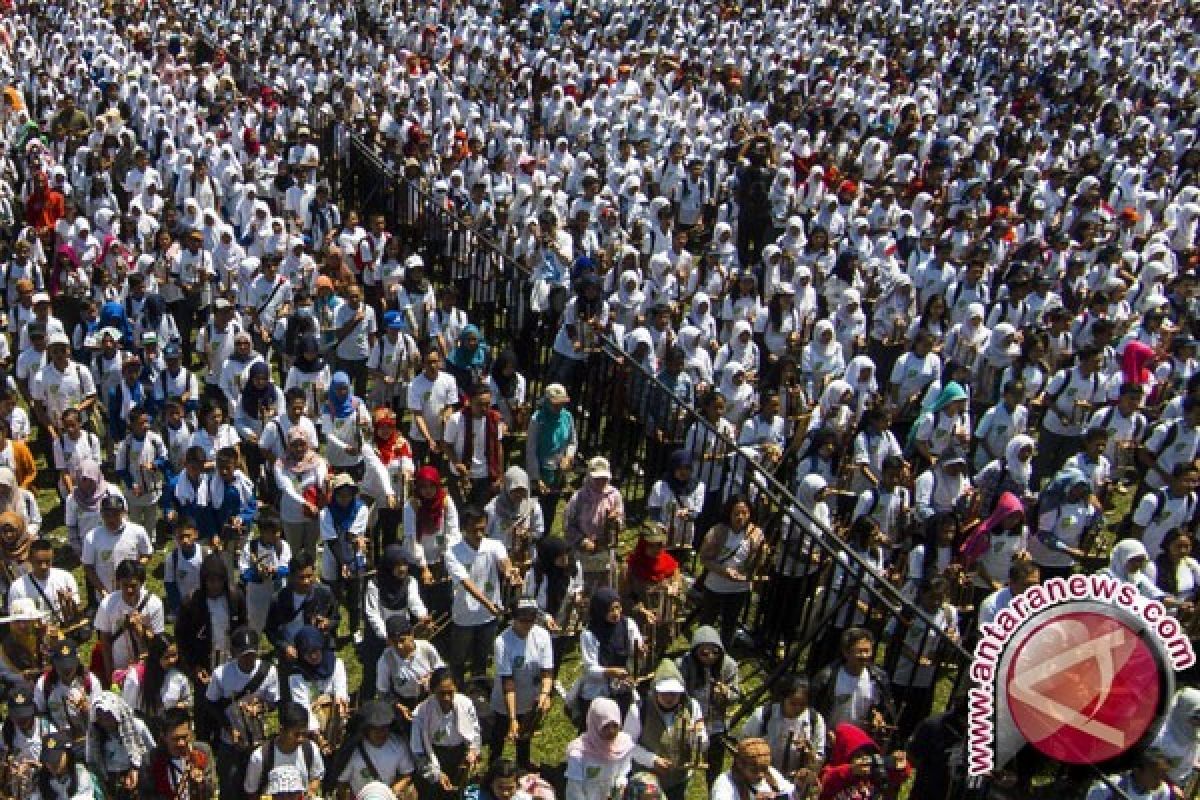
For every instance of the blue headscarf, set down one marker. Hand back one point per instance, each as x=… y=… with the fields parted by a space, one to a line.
x=112 y=315
x=1058 y=491
x=468 y=358
x=338 y=407
x=306 y=640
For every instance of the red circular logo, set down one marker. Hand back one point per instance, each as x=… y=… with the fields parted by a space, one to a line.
x=1082 y=687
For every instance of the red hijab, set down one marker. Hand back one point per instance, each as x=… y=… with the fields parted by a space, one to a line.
x=651 y=569
x=429 y=512
x=1135 y=362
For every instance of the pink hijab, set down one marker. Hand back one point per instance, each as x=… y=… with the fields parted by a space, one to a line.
x=592 y=746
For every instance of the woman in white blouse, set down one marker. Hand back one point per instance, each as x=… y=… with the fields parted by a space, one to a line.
x=446 y=739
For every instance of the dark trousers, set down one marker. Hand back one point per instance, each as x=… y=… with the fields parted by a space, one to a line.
x=524 y=744
x=725 y=610
x=231 y=768
x=471 y=644
x=1053 y=451
x=369 y=651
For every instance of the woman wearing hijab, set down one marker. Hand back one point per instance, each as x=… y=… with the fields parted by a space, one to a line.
x=1012 y=472
x=391 y=592
x=550 y=448
x=610 y=650
x=741 y=348
x=15 y=541
x=697 y=359
x=514 y=517
x=389 y=473
x=1002 y=350
x=430 y=529
x=82 y=510
x=835 y=412
x=600 y=759
x=676 y=500
x=1137 y=362
x=468 y=361
x=740 y=398
x=945 y=425
x=555 y=582
x=343 y=526
x=1128 y=563
x=851 y=323
x=651 y=587
x=261 y=402
x=967 y=340
x=309 y=373
x=1179 y=736
x=1065 y=520
x=317 y=675
x=508 y=387
x=346 y=427
x=628 y=301
x=20 y=501
x=117 y=744
x=822 y=361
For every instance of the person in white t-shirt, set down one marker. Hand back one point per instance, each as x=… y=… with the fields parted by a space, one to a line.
x=111 y=542
x=127 y=619
x=524 y=680
x=381 y=757
x=478 y=567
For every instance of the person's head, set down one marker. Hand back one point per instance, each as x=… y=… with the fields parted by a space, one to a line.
x=738 y=512
x=1094 y=441
x=41 y=558
x=1152 y=770
x=501 y=779
x=293 y=726
x=432 y=361
x=474 y=526
x=858 y=649
x=525 y=616
x=112 y=511
x=793 y=694
x=56 y=751
x=604 y=719
x=1022 y=575
x=177 y=733
x=752 y=760
x=131 y=577
x=302 y=572
x=932 y=593
x=443 y=687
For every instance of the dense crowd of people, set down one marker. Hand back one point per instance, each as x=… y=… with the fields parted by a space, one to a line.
x=932 y=267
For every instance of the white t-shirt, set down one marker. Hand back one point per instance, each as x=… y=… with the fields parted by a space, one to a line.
x=523 y=660
x=455 y=436
x=110 y=619
x=482 y=568
x=428 y=398
x=356 y=345
x=853 y=698
x=103 y=550
x=390 y=762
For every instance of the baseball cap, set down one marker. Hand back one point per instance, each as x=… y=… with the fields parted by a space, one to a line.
x=526 y=605
x=393 y=321
x=173 y=350
x=221 y=304
x=378 y=714
x=65 y=654
x=112 y=502
x=398 y=626
x=598 y=468
x=557 y=393
x=58 y=338
x=20 y=703
x=40 y=297
x=341 y=481
x=149 y=337
x=244 y=640
x=670 y=686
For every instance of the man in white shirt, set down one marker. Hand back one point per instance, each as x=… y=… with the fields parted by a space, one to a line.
x=46 y=585
x=111 y=542
x=128 y=619
x=382 y=756
x=61 y=383
x=355 y=331
x=751 y=768
x=524 y=679
x=478 y=566
x=432 y=396
x=249 y=682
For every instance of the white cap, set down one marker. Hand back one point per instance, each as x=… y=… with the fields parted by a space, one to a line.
x=58 y=337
